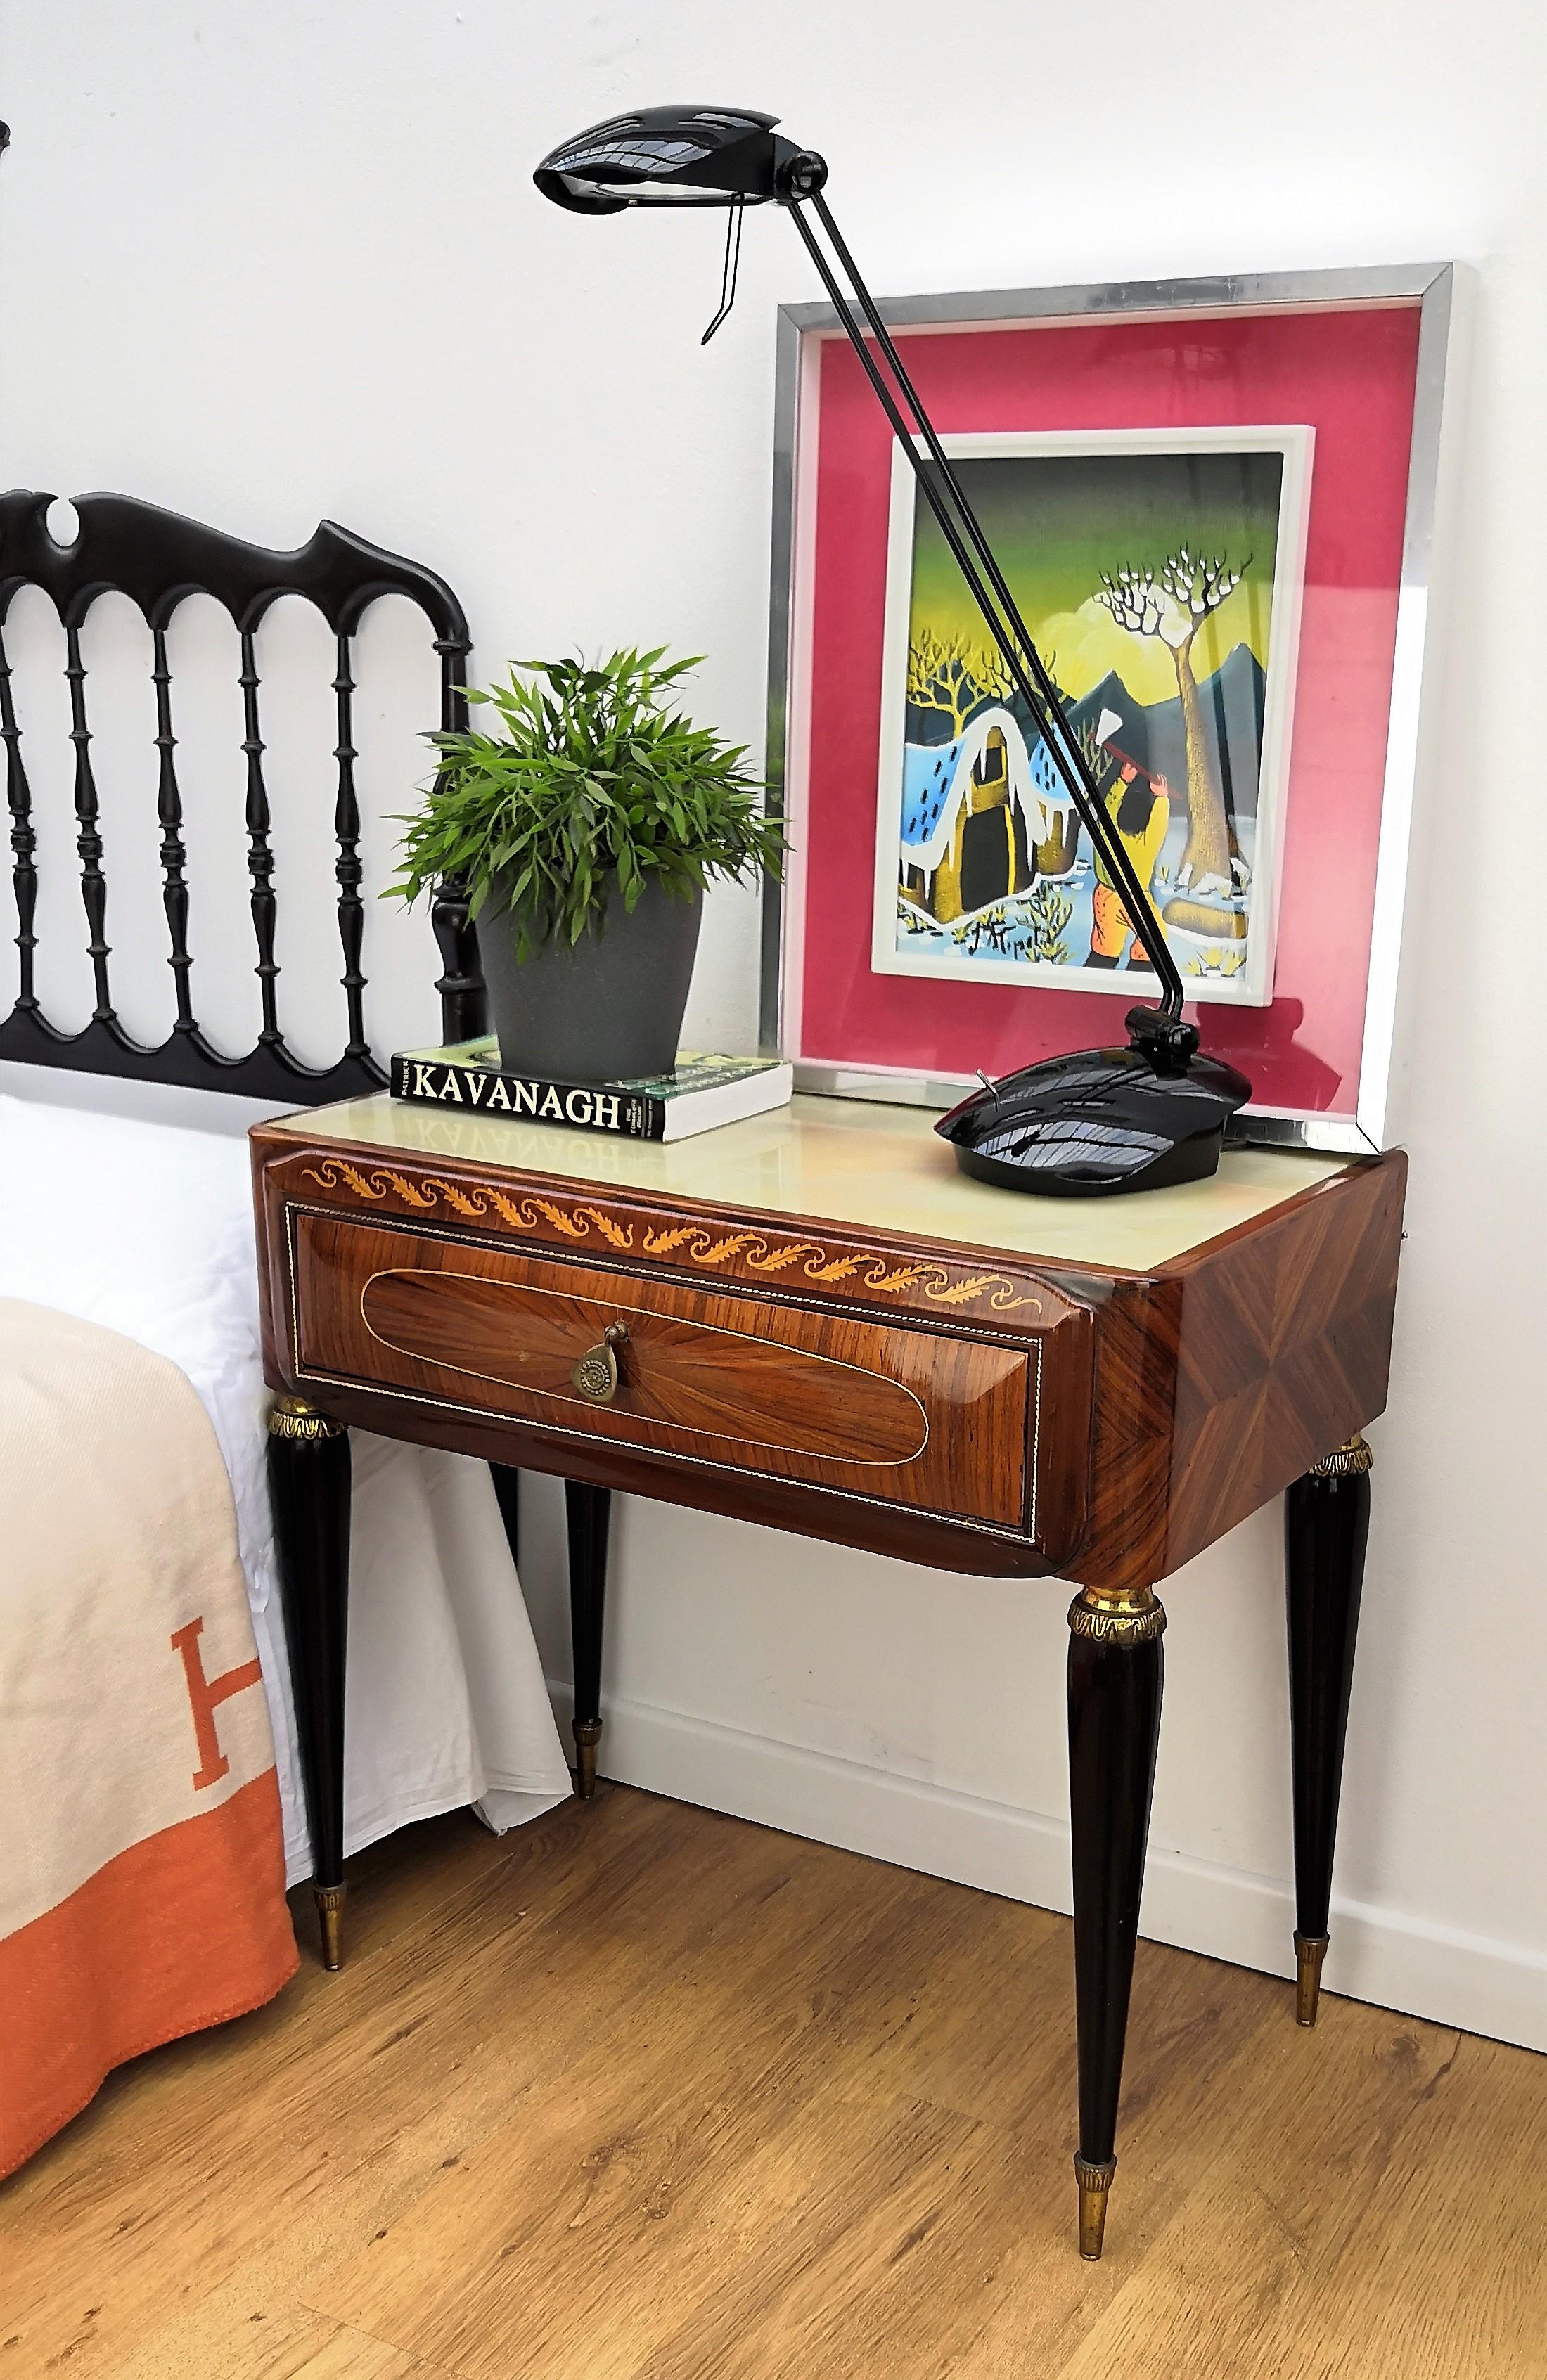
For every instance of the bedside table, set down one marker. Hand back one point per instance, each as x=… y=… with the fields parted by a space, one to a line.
x=812 y=1320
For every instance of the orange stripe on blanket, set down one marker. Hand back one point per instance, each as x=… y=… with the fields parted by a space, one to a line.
x=178 y=1932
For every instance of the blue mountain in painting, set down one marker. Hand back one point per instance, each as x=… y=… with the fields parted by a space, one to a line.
x=1153 y=735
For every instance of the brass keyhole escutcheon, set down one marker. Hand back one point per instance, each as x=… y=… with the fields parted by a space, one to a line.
x=596 y=1374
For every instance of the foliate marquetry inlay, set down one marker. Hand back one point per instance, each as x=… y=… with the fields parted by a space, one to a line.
x=1134 y=1622
x=817 y=1263
x=476 y=1203
x=695 y=1244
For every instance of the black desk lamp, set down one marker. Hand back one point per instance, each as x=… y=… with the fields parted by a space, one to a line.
x=1102 y=1120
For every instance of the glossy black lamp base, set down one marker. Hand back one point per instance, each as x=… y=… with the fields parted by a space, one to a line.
x=1186 y=1160
x=1096 y=1124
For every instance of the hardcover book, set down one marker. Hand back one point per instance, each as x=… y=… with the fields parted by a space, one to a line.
x=699 y=1093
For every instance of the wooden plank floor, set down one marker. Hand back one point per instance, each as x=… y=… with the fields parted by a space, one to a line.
x=641 y=2092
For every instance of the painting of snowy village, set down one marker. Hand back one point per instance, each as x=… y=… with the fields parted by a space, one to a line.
x=1160 y=574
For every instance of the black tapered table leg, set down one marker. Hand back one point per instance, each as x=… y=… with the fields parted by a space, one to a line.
x=588 y=1511
x=1115 y=1669
x=309 y=1490
x=1326 y=1527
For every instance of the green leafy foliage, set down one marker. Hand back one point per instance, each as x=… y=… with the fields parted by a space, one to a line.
x=1048 y=911
x=592 y=783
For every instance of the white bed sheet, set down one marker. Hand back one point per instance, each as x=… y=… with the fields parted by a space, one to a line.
x=147 y=1229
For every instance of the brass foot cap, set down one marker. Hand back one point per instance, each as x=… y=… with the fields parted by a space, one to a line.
x=330 y=1899
x=1310 y=1951
x=588 y=1735
x=1095 y=2181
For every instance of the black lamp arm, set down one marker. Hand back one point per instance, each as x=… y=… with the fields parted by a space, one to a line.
x=988 y=587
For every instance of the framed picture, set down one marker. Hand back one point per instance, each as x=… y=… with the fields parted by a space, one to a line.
x=1213 y=504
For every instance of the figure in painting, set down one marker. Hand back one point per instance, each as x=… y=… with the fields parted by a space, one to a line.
x=1139 y=806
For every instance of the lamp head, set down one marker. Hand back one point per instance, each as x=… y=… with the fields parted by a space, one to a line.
x=678 y=156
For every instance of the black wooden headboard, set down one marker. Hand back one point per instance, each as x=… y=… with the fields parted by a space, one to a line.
x=155 y=558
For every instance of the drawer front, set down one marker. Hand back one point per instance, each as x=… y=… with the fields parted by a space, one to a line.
x=906 y=1416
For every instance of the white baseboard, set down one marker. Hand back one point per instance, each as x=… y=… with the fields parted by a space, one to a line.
x=1393 y=1960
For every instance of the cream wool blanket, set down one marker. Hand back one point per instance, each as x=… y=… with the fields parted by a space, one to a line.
x=142 y=1869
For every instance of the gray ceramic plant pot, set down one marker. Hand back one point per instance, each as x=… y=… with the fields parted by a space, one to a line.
x=604 y=1010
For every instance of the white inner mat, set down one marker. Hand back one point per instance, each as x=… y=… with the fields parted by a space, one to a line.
x=148 y=1230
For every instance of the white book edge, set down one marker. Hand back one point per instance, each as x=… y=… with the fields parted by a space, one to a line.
x=754 y=1095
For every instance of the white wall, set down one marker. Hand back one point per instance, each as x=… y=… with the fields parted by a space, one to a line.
x=265 y=263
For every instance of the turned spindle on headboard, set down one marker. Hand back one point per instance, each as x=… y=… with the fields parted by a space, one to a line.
x=464 y=1007
x=156 y=559
x=24 y=841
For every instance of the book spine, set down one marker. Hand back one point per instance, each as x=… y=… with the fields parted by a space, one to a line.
x=628 y=1116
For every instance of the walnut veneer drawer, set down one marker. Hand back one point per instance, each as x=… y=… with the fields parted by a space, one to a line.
x=935 y=1422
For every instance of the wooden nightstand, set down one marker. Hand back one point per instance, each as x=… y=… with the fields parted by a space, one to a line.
x=812 y=1320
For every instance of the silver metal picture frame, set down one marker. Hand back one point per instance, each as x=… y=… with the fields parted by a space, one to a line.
x=1373 y=1124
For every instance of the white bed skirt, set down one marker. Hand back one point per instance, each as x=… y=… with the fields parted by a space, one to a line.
x=147 y=1229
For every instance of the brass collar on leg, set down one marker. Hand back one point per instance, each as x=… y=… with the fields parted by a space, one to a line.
x=330 y=1899
x=1310 y=1951
x=1095 y=2181
x=1135 y=1616
x=293 y=1417
x=1346 y=1461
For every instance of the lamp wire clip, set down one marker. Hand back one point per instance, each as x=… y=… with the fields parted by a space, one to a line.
x=729 y=270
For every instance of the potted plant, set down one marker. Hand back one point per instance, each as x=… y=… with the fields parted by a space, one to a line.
x=584 y=829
